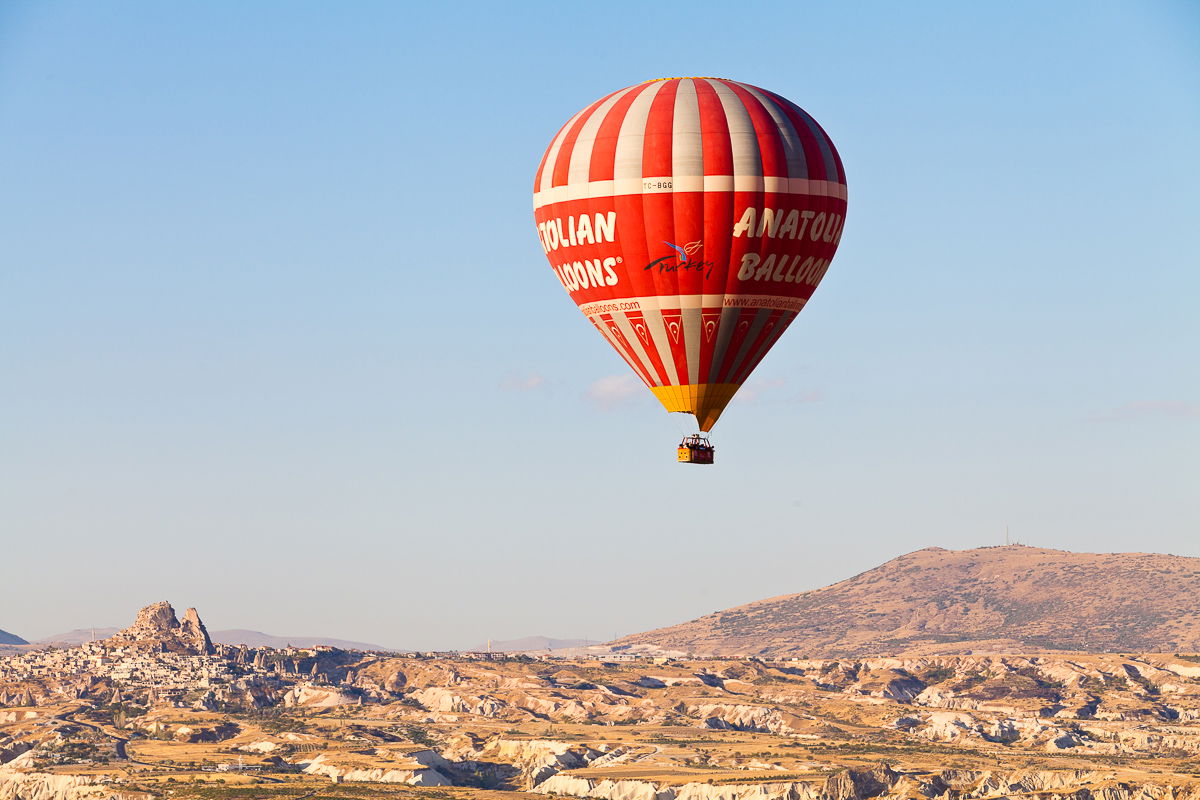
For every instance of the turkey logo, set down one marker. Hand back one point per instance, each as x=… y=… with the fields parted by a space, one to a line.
x=682 y=259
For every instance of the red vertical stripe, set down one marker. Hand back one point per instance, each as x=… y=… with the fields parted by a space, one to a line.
x=656 y=148
x=714 y=131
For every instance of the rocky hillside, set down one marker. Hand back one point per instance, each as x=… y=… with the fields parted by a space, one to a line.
x=157 y=627
x=11 y=638
x=991 y=599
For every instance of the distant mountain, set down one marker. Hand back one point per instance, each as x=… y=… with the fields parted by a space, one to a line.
x=531 y=643
x=79 y=636
x=991 y=599
x=11 y=638
x=260 y=639
x=235 y=636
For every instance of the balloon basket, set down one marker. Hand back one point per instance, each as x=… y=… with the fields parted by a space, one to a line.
x=695 y=449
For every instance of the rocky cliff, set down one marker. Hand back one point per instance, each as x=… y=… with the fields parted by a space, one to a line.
x=992 y=599
x=157 y=627
x=15 y=785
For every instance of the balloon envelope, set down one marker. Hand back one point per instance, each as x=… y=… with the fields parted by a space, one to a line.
x=690 y=219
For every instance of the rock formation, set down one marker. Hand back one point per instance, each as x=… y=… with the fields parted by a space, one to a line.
x=157 y=627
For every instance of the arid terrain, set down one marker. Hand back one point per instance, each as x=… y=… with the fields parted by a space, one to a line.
x=1012 y=599
x=160 y=711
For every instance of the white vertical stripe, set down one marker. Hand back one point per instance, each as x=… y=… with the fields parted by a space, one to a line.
x=793 y=148
x=747 y=161
x=631 y=139
x=687 y=153
x=581 y=156
x=552 y=153
x=692 y=326
x=725 y=330
x=662 y=343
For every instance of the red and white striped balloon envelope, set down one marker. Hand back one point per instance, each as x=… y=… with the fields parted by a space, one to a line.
x=690 y=219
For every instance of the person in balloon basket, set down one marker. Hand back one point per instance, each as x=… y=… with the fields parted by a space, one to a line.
x=696 y=450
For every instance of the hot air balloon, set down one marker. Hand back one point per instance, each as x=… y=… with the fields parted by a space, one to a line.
x=690 y=219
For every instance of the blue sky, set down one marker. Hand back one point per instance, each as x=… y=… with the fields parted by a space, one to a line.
x=279 y=341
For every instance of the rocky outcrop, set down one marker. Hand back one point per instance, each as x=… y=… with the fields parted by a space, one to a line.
x=447 y=701
x=540 y=759
x=12 y=748
x=191 y=629
x=760 y=719
x=16 y=716
x=15 y=785
x=886 y=784
x=310 y=696
x=157 y=627
x=423 y=768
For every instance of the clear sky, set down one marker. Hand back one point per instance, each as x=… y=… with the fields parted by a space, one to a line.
x=278 y=340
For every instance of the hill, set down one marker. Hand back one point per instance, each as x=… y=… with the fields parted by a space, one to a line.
x=79 y=636
x=260 y=639
x=11 y=638
x=991 y=599
x=529 y=644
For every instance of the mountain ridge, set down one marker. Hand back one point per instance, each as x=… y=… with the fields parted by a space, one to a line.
x=236 y=636
x=1012 y=598
x=530 y=644
x=11 y=638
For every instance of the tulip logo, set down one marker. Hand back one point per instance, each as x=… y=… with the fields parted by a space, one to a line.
x=685 y=251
